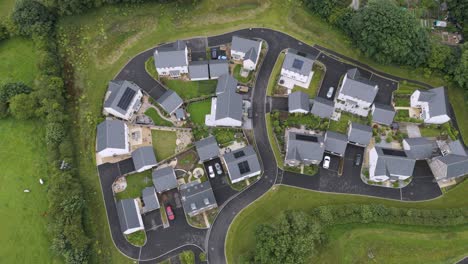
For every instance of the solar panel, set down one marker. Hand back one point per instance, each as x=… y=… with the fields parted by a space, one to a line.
x=244 y=167
x=126 y=98
x=297 y=64
x=306 y=138
x=394 y=152
x=239 y=154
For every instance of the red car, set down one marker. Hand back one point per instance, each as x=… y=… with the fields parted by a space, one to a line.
x=169 y=213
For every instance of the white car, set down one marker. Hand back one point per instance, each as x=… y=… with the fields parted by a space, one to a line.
x=211 y=172
x=330 y=92
x=326 y=162
x=218 y=169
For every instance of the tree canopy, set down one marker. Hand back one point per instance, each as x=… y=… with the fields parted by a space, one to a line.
x=32 y=17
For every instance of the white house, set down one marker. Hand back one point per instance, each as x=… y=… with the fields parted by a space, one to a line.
x=433 y=105
x=247 y=51
x=112 y=138
x=296 y=70
x=226 y=107
x=129 y=216
x=356 y=94
x=389 y=164
x=123 y=99
x=172 y=60
x=242 y=164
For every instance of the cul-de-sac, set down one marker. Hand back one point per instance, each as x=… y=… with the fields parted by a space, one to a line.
x=246 y=131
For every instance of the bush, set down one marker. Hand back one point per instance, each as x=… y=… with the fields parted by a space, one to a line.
x=23 y=106
x=9 y=90
x=389 y=139
x=187 y=257
x=378 y=139
x=33 y=18
x=202 y=256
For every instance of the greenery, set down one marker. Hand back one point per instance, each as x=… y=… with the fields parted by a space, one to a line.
x=341 y=125
x=157 y=119
x=273 y=142
x=311 y=170
x=198 y=111
x=202 y=256
x=275 y=74
x=236 y=73
x=429 y=131
x=19 y=61
x=151 y=68
x=190 y=90
x=164 y=143
x=225 y=136
x=187 y=257
x=402 y=101
x=135 y=185
x=137 y=238
x=315 y=83
x=33 y=18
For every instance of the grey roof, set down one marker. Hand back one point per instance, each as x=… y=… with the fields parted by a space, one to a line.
x=170 y=101
x=297 y=63
x=393 y=163
x=359 y=133
x=234 y=158
x=383 y=114
x=299 y=149
x=164 y=179
x=229 y=102
x=251 y=54
x=207 y=148
x=150 y=199
x=116 y=98
x=128 y=214
x=247 y=46
x=437 y=101
x=336 y=142
x=454 y=166
x=226 y=83
x=143 y=156
x=198 y=69
x=322 y=107
x=298 y=101
x=197 y=196
x=419 y=148
x=111 y=134
x=358 y=87
x=171 y=55
x=218 y=68
x=456 y=147
x=179 y=113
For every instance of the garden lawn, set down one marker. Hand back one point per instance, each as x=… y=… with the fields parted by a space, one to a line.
x=157 y=119
x=429 y=131
x=402 y=101
x=164 y=143
x=241 y=235
x=275 y=74
x=189 y=90
x=273 y=142
x=135 y=185
x=137 y=238
x=23 y=158
x=237 y=70
x=19 y=61
x=151 y=68
x=198 y=111
x=342 y=124
x=315 y=83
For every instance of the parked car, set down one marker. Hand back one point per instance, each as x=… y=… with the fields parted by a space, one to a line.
x=218 y=169
x=211 y=172
x=326 y=162
x=169 y=213
x=357 y=160
x=330 y=92
x=214 y=54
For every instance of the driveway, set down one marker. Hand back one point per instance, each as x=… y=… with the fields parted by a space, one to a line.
x=197 y=46
x=412 y=130
x=220 y=183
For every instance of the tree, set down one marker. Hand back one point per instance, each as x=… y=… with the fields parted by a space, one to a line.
x=389 y=34
x=23 y=106
x=70 y=7
x=3 y=32
x=439 y=56
x=9 y=90
x=461 y=71
x=32 y=17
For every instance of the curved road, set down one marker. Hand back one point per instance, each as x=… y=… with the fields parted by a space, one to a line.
x=213 y=241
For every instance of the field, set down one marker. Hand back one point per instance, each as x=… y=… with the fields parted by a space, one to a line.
x=164 y=144
x=189 y=90
x=23 y=162
x=19 y=61
x=198 y=111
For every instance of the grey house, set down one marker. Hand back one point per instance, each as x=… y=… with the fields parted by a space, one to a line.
x=322 y=107
x=359 y=134
x=172 y=60
x=170 y=101
x=150 y=200
x=164 y=179
x=419 y=148
x=123 y=99
x=247 y=50
x=197 y=197
x=447 y=169
x=198 y=70
x=112 y=138
x=298 y=67
x=242 y=164
x=129 y=216
x=383 y=114
x=207 y=148
x=335 y=143
x=433 y=104
x=298 y=102
x=303 y=148
x=218 y=68
x=144 y=158
x=389 y=164
x=226 y=107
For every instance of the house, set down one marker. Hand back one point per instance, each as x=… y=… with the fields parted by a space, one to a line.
x=170 y=101
x=207 y=148
x=226 y=107
x=112 y=138
x=247 y=51
x=123 y=99
x=335 y=143
x=359 y=134
x=322 y=107
x=433 y=105
x=383 y=114
x=129 y=216
x=449 y=168
x=419 y=148
x=298 y=102
x=180 y=114
x=303 y=148
x=172 y=60
x=356 y=94
x=197 y=197
x=164 y=179
x=242 y=164
x=198 y=70
x=150 y=200
x=389 y=164
x=296 y=69
x=144 y=158
x=218 y=68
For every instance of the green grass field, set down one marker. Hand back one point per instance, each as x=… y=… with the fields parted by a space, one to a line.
x=19 y=61
x=164 y=144
x=273 y=144
x=6 y=7
x=198 y=111
x=157 y=119
x=23 y=162
x=189 y=90
x=274 y=75
x=135 y=185
x=315 y=83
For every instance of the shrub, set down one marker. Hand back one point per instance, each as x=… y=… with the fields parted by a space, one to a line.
x=389 y=139
x=187 y=257
x=23 y=106
x=202 y=256
x=33 y=18
x=378 y=139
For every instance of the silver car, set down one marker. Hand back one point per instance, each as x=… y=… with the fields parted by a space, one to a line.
x=218 y=169
x=330 y=92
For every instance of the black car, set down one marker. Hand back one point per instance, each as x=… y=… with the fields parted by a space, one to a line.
x=357 y=160
x=214 y=54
